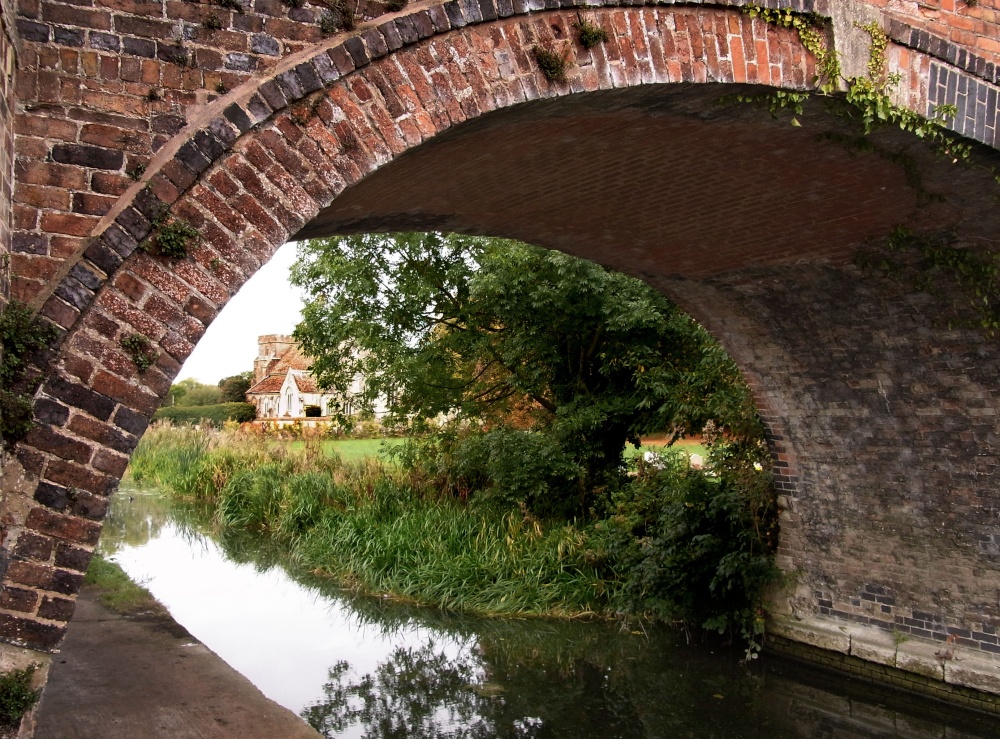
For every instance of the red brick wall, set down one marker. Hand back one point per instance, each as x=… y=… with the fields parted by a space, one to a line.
x=972 y=26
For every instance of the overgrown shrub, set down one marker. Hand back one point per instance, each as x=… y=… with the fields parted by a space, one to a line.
x=694 y=546
x=16 y=696
x=507 y=467
x=215 y=415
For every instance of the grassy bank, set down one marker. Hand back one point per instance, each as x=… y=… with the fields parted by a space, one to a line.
x=118 y=592
x=379 y=528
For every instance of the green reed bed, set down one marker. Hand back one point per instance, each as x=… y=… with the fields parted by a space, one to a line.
x=374 y=527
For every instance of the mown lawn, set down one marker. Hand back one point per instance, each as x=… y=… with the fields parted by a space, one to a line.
x=354 y=449
x=351 y=450
x=656 y=443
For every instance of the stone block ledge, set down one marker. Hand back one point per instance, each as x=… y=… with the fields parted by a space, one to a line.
x=948 y=672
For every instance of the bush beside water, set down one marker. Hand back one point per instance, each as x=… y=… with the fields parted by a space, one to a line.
x=670 y=542
x=216 y=414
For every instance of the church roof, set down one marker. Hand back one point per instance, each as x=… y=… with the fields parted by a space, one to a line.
x=292 y=359
x=305 y=383
x=270 y=384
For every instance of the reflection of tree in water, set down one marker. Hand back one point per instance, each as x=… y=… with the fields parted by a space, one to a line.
x=504 y=690
x=138 y=515
x=135 y=517
x=417 y=693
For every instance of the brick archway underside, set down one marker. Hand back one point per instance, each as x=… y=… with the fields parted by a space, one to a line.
x=883 y=424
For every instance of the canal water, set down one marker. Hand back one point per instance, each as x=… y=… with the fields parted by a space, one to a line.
x=356 y=666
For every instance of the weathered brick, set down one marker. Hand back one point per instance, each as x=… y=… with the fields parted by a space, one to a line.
x=59 y=526
x=18 y=599
x=72 y=558
x=78 y=396
x=56 y=609
x=18 y=630
x=88 y=156
x=33 y=546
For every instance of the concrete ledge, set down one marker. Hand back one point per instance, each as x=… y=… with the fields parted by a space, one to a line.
x=920 y=658
x=878 y=647
x=829 y=635
x=946 y=672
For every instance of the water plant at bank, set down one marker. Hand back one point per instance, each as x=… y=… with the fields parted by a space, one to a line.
x=677 y=544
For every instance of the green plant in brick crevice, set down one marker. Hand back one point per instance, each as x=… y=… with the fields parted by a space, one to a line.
x=813 y=32
x=394 y=6
x=139 y=350
x=236 y=5
x=172 y=237
x=338 y=17
x=935 y=263
x=868 y=97
x=21 y=334
x=17 y=696
x=551 y=63
x=212 y=22
x=589 y=34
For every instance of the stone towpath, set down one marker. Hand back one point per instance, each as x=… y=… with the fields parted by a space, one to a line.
x=146 y=678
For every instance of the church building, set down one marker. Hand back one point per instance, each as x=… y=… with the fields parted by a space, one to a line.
x=283 y=387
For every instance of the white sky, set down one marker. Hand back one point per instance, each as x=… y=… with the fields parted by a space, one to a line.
x=266 y=304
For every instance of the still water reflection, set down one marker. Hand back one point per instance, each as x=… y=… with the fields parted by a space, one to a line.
x=364 y=667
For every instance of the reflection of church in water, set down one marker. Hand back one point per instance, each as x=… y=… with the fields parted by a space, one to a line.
x=283 y=388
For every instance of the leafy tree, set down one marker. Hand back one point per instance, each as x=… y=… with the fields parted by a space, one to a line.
x=192 y=392
x=501 y=333
x=234 y=388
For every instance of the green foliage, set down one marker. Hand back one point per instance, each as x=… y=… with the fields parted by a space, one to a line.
x=378 y=527
x=234 y=389
x=236 y=5
x=394 y=6
x=339 y=17
x=173 y=237
x=551 y=63
x=17 y=696
x=139 y=350
x=191 y=392
x=934 y=263
x=676 y=543
x=698 y=548
x=497 y=333
x=778 y=101
x=118 y=592
x=214 y=415
x=212 y=22
x=22 y=334
x=509 y=467
x=814 y=35
x=589 y=33
x=868 y=98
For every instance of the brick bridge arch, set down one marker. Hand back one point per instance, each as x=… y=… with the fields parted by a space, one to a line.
x=882 y=423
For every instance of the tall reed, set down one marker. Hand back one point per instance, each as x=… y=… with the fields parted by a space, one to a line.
x=378 y=528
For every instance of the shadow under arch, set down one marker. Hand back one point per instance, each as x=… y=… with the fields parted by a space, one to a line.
x=746 y=222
